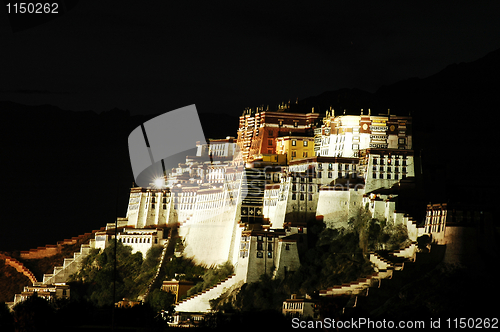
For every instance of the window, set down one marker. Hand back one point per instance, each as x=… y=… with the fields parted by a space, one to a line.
x=294 y=142
x=269 y=255
x=259 y=245
x=295 y=124
x=330 y=167
x=330 y=175
x=294 y=154
x=294 y=196
x=388 y=176
x=164 y=206
x=304 y=154
x=270 y=133
x=310 y=197
x=270 y=142
x=287 y=246
x=301 y=197
x=269 y=247
x=305 y=142
x=259 y=254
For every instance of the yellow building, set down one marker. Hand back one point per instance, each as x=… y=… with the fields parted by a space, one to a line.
x=277 y=159
x=295 y=147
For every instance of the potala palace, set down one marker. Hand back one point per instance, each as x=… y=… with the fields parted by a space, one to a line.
x=247 y=200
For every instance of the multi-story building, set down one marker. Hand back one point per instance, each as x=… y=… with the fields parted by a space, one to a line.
x=299 y=307
x=48 y=292
x=383 y=168
x=216 y=149
x=347 y=135
x=259 y=129
x=295 y=147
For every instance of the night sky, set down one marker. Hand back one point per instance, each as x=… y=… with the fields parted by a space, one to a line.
x=223 y=56
x=151 y=58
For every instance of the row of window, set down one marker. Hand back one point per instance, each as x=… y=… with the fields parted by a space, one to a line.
x=304 y=154
x=164 y=206
x=390 y=161
x=302 y=197
x=304 y=142
x=137 y=240
x=388 y=176
x=153 y=200
x=272 y=202
x=303 y=187
x=389 y=169
x=339 y=166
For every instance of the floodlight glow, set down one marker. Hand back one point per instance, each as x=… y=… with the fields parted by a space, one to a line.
x=159 y=182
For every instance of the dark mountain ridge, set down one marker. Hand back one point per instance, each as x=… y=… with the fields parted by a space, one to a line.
x=66 y=173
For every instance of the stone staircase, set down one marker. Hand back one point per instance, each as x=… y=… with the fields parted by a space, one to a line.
x=393 y=271
x=200 y=302
x=70 y=265
x=160 y=265
x=384 y=269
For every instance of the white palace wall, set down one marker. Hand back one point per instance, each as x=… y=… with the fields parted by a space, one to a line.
x=210 y=235
x=338 y=206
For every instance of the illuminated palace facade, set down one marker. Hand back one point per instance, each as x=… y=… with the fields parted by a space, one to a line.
x=247 y=200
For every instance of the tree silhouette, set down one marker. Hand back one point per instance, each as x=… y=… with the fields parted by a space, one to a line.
x=6 y=318
x=33 y=314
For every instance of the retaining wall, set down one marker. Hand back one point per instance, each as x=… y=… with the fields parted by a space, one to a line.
x=19 y=267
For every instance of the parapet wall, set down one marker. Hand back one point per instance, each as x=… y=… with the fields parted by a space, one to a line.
x=19 y=267
x=53 y=249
